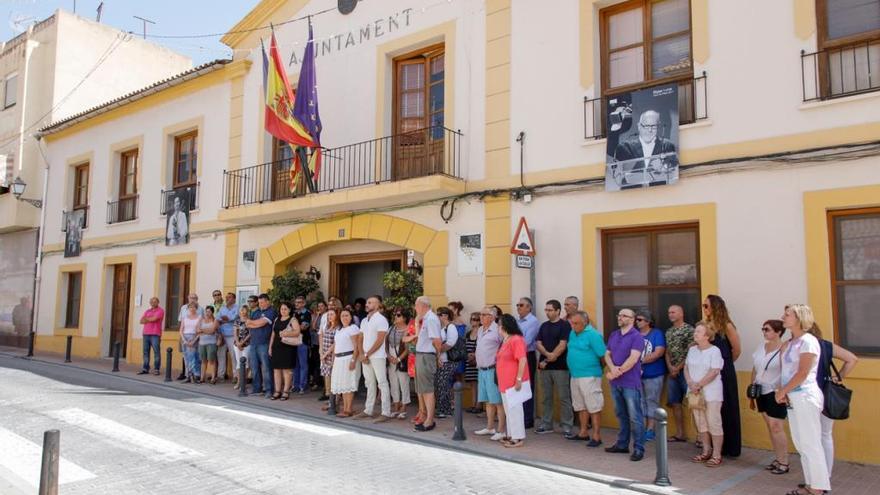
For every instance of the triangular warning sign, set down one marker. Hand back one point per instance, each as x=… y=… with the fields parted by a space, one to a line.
x=523 y=244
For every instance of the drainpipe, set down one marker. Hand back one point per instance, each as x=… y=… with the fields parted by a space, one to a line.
x=41 y=232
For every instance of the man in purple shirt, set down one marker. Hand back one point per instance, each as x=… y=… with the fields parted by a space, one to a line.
x=623 y=357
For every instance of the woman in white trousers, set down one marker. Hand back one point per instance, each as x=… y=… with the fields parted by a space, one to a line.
x=800 y=390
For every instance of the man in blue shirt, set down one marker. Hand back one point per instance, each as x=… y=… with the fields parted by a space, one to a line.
x=585 y=352
x=260 y=326
x=653 y=367
x=529 y=326
x=226 y=315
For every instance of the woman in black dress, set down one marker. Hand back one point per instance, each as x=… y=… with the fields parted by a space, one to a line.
x=282 y=356
x=727 y=340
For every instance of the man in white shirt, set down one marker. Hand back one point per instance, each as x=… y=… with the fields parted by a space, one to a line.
x=428 y=347
x=374 y=361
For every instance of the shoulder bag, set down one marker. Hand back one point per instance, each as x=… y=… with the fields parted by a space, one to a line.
x=754 y=389
x=837 y=397
x=294 y=341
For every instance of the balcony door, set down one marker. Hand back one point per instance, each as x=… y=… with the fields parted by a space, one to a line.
x=419 y=103
x=282 y=163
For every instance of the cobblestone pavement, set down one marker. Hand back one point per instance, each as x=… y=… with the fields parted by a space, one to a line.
x=121 y=438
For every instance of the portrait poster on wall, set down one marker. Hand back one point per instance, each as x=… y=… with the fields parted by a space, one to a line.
x=73 y=235
x=642 y=146
x=177 y=218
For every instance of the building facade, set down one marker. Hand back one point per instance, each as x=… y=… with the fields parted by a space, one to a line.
x=59 y=66
x=446 y=122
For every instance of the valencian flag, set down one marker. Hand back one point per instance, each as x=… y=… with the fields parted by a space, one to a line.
x=280 y=121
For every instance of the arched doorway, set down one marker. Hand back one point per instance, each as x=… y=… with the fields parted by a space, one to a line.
x=432 y=244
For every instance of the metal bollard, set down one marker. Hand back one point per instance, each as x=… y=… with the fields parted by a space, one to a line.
x=68 y=349
x=661 y=423
x=49 y=468
x=31 y=338
x=458 y=433
x=117 y=349
x=168 y=353
x=242 y=377
x=331 y=411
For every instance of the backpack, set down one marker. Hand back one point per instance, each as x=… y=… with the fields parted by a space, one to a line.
x=458 y=352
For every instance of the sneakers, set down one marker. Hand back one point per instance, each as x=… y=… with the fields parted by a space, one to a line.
x=497 y=436
x=362 y=415
x=649 y=435
x=637 y=456
x=543 y=429
x=484 y=432
x=142 y=372
x=381 y=419
x=156 y=372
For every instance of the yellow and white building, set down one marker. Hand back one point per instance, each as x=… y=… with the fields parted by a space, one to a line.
x=778 y=200
x=54 y=68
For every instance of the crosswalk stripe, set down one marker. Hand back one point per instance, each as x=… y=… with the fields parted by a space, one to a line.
x=232 y=431
x=24 y=458
x=126 y=437
x=288 y=423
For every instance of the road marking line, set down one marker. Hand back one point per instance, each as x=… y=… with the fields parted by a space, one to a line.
x=24 y=458
x=206 y=424
x=129 y=438
x=289 y=423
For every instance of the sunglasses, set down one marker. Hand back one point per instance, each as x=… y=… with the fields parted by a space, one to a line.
x=705 y=306
x=640 y=319
x=766 y=329
x=475 y=319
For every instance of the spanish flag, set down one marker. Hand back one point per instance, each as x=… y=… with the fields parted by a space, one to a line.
x=280 y=121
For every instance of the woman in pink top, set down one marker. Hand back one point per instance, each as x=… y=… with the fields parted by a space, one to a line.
x=512 y=371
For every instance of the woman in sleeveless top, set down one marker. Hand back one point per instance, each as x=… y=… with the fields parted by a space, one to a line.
x=283 y=357
x=189 y=337
x=208 y=345
x=346 y=349
x=727 y=341
x=470 y=370
x=766 y=372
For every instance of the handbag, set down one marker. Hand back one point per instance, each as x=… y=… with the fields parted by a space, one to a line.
x=294 y=341
x=696 y=401
x=837 y=398
x=754 y=390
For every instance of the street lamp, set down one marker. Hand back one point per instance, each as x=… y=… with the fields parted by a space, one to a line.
x=18 y=187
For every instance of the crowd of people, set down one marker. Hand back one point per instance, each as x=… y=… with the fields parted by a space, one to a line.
x=392 y=352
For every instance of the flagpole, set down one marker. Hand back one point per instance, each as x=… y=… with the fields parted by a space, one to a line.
x=304 y=168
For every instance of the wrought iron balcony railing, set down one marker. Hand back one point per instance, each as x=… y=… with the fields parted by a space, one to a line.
x=189 y=194
x=430 y=151
x=841 y=71
x=123 y=210
x=692 y=106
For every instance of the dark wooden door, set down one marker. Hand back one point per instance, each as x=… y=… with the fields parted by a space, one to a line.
x=119 y=307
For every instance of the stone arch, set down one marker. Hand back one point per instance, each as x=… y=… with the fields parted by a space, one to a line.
x=433 y=244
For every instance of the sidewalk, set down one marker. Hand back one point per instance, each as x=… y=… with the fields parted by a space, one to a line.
x=551 y=451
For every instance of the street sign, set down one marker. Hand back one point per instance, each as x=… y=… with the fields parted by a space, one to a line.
x=523 y=243
x=523 y=261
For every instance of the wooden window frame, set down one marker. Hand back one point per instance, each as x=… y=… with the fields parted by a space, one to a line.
x=194 y=162
x=278 y=191
x=833 y=238
x=652 y=231
x=72 y=304
x=78 y=185
x=123 y=158
x=6 y=80
x=647 y=42
x=824 y=43
x=424 y=56
x=171 y=312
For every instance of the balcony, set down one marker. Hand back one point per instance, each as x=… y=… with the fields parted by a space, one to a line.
x=189 y=194
x=124 y=210
x=841 y=71
x=419 y=165
x=692 y=106
x=65 y=217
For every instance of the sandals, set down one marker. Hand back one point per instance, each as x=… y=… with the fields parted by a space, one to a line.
x=701 y=458
x=276 y=396
x=780 y=468
x=713 y=462
x=343 y=414
x=285 y=396
x=677 y=439
x=401 y=415
x=698 y=444
x=805 y=491
x=512 y=444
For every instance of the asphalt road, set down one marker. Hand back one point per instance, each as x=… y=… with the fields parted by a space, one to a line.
x=124 y=437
